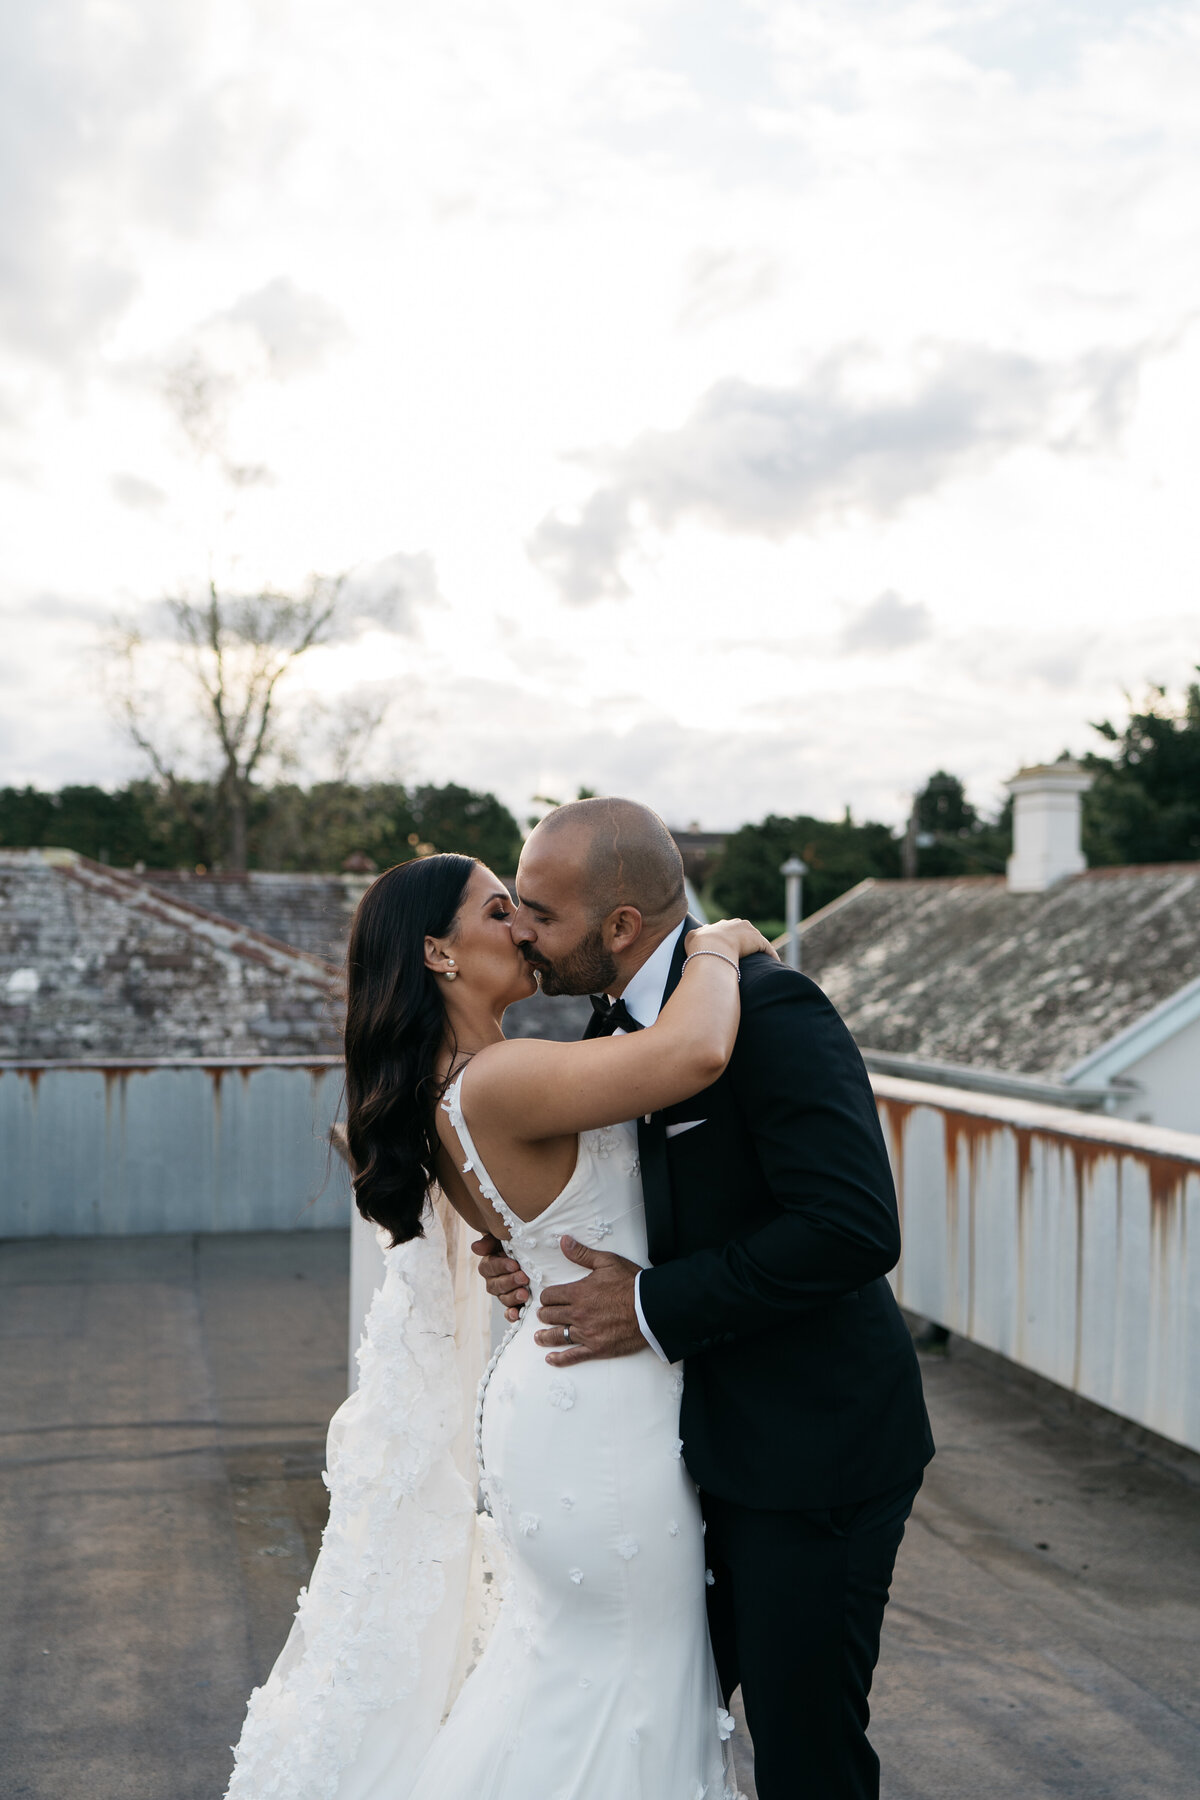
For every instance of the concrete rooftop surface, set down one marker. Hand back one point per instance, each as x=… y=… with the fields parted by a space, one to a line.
x=163 y=1409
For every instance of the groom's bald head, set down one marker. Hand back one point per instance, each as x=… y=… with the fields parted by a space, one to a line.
x=600 y=884
x=624 y=854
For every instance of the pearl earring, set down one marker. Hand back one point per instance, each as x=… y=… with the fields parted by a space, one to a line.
x=451 y=972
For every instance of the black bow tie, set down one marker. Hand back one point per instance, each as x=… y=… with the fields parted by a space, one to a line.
x=610 y=1016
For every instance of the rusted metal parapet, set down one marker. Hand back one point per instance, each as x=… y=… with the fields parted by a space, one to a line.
x=170 y=1144
x=1058 y=1239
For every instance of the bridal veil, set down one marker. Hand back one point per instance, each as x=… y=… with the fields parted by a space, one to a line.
x=402 y=1595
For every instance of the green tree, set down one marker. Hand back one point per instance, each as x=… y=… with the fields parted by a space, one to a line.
x=942 y=806
x=839 y=854
x=951 y=837
x=135 y=824
x=455 y=818
x=318 y=827
x=288 y=827
x=1144 y=806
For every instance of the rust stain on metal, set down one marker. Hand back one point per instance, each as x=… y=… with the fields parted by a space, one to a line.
x=1168 y=1179
x=1023 y=1143
x=973 y=1130
x=1080 y=1168
x=967 y=1130
x=896 y=1114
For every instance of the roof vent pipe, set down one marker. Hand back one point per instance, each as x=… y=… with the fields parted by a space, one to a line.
x=1047 y=815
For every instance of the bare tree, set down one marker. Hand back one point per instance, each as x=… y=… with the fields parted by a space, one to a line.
x=238 y=648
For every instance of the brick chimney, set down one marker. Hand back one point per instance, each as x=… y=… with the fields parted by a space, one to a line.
x=1047 y=813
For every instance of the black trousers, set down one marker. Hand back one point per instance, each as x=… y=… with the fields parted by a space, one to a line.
x=795 y=1611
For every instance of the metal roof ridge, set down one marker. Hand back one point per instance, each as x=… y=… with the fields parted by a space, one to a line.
x=1035 y=1115
x=1105 y=871
x=1049 y=1090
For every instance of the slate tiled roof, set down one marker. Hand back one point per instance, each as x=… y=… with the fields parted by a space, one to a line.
x=95 y=963
x=960 y=970
x=310 y=912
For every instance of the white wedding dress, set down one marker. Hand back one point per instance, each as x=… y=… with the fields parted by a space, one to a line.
x=596 y=1680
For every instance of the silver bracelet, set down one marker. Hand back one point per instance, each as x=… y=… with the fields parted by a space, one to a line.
x=695 y=953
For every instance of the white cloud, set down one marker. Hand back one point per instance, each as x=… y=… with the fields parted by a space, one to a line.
x=770 y=460
x=886 y=623
x=111 y=119
x=874 y=300
x=131 y=490
x=721 y=282
x=297 y=330
x=388 y=596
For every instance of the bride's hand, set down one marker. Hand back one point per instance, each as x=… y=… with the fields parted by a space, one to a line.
x=734 y=938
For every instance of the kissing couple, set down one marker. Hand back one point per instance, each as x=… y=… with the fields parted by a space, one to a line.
x=699 y=1441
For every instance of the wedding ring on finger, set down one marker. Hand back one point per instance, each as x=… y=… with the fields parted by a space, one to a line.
x=566 y=1334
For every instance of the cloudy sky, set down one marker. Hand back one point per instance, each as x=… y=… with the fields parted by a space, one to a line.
x=755 y=404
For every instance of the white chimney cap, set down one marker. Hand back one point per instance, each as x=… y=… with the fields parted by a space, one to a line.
x=1047 y=819
x=1055 y=777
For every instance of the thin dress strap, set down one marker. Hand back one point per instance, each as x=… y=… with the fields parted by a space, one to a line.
x=452 y=1107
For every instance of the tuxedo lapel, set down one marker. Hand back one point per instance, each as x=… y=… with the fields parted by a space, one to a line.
x=678 y=957
x=652 y=1145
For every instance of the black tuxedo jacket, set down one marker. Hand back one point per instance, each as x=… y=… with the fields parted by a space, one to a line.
x=772 y=1222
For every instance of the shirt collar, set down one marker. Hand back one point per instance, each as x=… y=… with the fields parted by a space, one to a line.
x=643 y=994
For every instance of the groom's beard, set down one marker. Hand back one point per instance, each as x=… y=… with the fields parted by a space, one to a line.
x=587 y=969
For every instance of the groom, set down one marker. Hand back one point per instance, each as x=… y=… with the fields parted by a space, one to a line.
x=772 y=1222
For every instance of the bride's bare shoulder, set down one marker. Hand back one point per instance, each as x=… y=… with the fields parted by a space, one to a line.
x=497 y=1071
x=509 y=1054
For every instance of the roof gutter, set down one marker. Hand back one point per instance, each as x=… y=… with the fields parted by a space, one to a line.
x=990 y=1081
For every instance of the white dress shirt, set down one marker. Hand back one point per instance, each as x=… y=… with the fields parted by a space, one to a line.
x=643 y=998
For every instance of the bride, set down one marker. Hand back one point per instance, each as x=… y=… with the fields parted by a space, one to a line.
x=596 y=1681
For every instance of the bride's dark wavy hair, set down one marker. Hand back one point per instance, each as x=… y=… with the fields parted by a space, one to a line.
x=395 y=1029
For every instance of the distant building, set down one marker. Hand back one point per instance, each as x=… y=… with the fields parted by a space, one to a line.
x=1083 y=984
x=701 y=852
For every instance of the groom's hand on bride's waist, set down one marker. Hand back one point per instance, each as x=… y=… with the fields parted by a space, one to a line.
x=504 y=1279
x=592 y=1318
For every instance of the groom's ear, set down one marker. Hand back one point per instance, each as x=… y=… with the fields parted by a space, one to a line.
x=622 y=928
